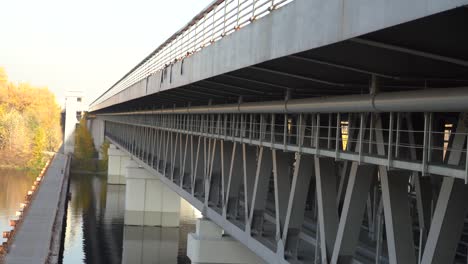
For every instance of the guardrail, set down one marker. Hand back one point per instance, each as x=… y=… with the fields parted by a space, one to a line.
x=388 y=139
x=219 y=19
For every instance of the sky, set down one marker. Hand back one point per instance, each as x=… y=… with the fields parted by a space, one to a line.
x=84 y=45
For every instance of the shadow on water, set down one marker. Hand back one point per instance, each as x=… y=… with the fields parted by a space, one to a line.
x=95 y=232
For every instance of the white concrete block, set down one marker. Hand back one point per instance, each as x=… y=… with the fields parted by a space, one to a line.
x=113 y=166
x=138 y=173
x=148 y=201
x=154 y=196
x=171 y=200
x=135 y=195
x=116 y=166
x=206 y=229
x=115 y=152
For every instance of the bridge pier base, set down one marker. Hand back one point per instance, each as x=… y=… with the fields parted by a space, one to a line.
x=208 y=245
x=116 y=165
x=148 y=202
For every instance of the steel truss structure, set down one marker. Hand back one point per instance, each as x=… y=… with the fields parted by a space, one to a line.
x=315 y=187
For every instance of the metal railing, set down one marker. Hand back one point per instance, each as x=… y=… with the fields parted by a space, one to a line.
x=218 y=20
x=387 y=139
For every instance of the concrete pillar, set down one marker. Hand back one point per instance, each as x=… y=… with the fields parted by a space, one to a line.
x=148 y=201
x=116 y=166
x=208 y=245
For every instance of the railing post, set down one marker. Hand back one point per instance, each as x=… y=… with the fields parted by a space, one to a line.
x=238 y=15
x=224 y=19
x=466 y=162
x=317 y=135
x=337 y=136
x=329 y=131
x=361 y=136
x=213 y=24
x=390 y=141
x=397 y=142
x=285 y=131
x=272 y=129
x=426 y=137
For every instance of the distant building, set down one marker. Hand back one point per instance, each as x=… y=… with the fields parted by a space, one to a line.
x=74 y=109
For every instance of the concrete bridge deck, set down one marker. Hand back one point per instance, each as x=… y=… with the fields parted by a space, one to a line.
x=309 y=48
x=34 y=240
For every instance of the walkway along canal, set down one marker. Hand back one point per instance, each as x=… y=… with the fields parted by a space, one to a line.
x=37 y=239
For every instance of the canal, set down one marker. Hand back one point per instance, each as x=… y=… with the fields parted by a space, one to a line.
x=95 y=232
x=14 y=185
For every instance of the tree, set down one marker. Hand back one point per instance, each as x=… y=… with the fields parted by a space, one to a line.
x=39 y=145
x=29 y=123
x=84 y=145
x=105 y=155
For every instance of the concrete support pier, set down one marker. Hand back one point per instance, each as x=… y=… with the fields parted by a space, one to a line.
x=116 y=165
x=208 y=245
x=149 y=202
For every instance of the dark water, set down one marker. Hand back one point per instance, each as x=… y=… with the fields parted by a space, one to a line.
x=14 y=185
x=95 y=232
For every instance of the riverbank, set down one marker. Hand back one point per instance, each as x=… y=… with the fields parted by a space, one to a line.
x=23 y=167
x=17 y=167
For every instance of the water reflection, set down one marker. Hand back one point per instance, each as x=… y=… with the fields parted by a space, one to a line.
x=14 y=184
x=95 y=232
x=150 y=245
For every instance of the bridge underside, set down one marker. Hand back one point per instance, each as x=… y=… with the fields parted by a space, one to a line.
x=426 y=53
x=331 y=185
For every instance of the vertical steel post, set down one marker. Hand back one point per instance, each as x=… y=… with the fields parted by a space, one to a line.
x=285 y=131
x=329 y=131
x=272 y=129
x=425 y=143
x=317 y=136
x=337 y=136
x=429 y=138
x=390 y=141
x=397 y=142
x=466 y=162
x=361 y=135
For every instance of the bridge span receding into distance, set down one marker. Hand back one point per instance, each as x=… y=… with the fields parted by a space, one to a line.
x=306 y=131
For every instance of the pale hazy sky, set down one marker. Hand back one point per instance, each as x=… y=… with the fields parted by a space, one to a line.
x=84 y=44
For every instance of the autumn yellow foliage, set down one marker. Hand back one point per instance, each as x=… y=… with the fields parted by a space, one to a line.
x=29 y=123
x=84 y=145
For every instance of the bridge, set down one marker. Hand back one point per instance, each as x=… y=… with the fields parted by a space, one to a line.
x=305 y=131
